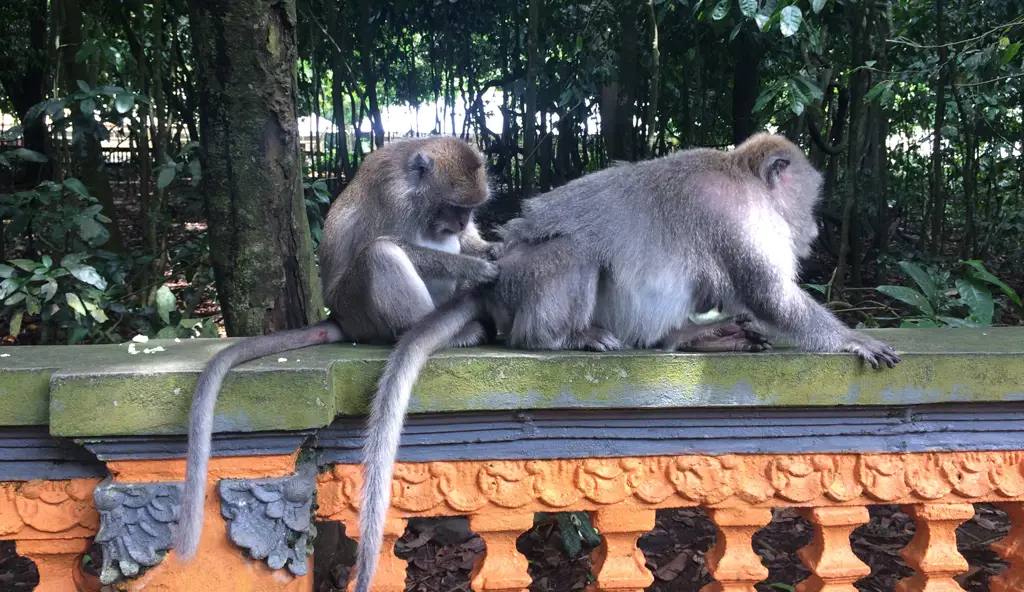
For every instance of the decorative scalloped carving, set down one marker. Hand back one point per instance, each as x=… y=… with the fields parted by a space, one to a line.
x=672 y=481
x=271 y=517
x=47 y=507
x=137 y=525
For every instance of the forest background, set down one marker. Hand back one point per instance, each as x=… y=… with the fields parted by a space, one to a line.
x=165 y=166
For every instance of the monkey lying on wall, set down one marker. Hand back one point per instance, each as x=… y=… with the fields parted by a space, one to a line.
x=621 y=258
x=395 y=244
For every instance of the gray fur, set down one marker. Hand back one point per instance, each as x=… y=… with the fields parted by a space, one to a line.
x=622 y=258
x=382 y=271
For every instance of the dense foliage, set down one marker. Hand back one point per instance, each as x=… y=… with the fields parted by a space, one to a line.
x=913 y=110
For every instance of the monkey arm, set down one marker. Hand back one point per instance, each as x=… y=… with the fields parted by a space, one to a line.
x=442 y=265
x=475 y=245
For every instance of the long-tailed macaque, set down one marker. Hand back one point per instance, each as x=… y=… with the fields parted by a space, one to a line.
x=395 y=244
x=622 y=258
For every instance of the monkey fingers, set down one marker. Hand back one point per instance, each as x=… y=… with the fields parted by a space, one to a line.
x=874 y=352
x=593 y=339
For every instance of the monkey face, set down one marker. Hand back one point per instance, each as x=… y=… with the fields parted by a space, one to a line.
x=451 y=219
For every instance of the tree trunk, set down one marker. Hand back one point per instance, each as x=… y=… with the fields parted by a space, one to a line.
x=745 y=79
x=858 y=134
x=260 y=243
x=530 y=108
x=91 y=166
x=938 y=183
x=652 y=102
x=629 y=38
x=367 y=35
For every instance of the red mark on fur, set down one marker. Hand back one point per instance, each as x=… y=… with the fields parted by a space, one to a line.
x=321 y=335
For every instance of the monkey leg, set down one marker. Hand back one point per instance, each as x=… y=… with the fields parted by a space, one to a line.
x=551 y=290
x=474 y=333
x=396 y=296
x=733 y=334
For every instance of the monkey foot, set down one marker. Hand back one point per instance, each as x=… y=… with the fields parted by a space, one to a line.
x=474 y=333
x=732 y=335
x=594 y=339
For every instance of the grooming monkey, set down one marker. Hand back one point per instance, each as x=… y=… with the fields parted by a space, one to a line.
x=621 y=258
x=397 y=242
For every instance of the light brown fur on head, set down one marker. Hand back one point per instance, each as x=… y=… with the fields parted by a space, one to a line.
x=460 y=166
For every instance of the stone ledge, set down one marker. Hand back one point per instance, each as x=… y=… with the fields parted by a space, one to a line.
x=104 y=390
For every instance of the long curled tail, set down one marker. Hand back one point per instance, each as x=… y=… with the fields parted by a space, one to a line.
x=387 y=415
x=190 y=523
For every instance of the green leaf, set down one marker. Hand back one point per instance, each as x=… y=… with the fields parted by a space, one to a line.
x=88 y=274
x=16 y=323
x=47 y=290
x=75 y=302
x=783 y=587
x=87 y=107
x=15 y=298
x=909 y=296
x=26 y=155
x=6 y=271
x=817 y=5
x=1010 y=52
x=761 y=20
x=748 y=7
x=791 y=20
x=165 y=177
x=955 y=322
x=579 y=43
x=195 y=170
x=99 y=315
x=923 y=280
x=721 y=10
x=817 y=287
x=26 y=264
x=918 y=323
x=165 y=303
x=982 y=274
x=124 y=103
x=167 y=333
x=877 y=90
x=89 y=228
x=35 y=111
x=77 y=186
x=47 y=261
x=978 y=300
x=83 y=86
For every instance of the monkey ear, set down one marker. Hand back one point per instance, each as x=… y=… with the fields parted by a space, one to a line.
x=420 y=166
x=771 y=170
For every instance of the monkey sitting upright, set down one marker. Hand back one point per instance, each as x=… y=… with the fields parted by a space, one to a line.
x=396 y=243
x=622 y=257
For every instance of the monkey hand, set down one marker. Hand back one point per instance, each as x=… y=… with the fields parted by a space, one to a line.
x=482 y=272
x=872 y=351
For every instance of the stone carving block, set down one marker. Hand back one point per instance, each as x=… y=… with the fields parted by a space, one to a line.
x=272 y=518
x=138 y=522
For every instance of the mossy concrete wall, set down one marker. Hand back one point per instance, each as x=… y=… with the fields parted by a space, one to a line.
x=105 y=390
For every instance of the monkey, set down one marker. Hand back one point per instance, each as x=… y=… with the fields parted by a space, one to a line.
x=398 y=240
x=621 y=258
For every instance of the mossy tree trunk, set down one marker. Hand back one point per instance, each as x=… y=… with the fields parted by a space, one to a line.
x=259 y=235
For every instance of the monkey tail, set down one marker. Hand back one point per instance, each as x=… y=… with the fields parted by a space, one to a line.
x=387 y=415
x=200 y=430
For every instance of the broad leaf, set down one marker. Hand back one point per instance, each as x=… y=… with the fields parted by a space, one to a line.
x=14 y=298
x=6 y=271
x=721 y=10
x=99 y=315
x=923 y=280
x=26 y=155
x=978 y=300
x=88 y=107
x=918 y=323
x=77 y=186
x=16 y=323
x=982 y=274
x=75 y=303
x=195 y=170
x=167 y=333
x=47 y=290
x=909 y=296
x=955 y=322
x=817 y=5
x=124 y=103
x=761 y=20
x=791 y=20
x=88 y=274
x=165 y=303
x=47 y=261
x=89 y=229
x=748 y=7
x=26 y=264
x=165 y=177
x=82 y=85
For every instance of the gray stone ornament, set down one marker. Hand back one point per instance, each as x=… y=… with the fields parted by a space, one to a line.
x=272 y=518
x=138 y=522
